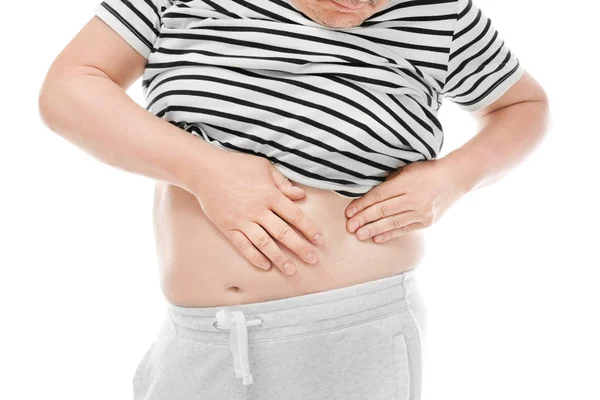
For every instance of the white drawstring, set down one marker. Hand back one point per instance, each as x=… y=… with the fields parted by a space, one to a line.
x=238 y=340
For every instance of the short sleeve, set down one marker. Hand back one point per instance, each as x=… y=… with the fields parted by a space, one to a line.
x=481 y=68
x=136 y=21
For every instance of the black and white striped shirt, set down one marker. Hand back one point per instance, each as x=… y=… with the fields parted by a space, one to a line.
x=333 y=108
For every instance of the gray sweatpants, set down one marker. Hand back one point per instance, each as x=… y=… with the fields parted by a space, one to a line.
x=358 y=342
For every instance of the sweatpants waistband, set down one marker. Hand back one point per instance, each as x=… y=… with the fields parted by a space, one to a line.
x=302 y=314
x=286 y=318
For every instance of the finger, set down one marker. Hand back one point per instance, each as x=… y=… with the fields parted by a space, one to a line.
x=248 y=250
x=396 y=221
x=384 y=237
x=378 y=193
x=378 y=211
x=282 y=232
x=290 y=212
x=285 y=185
x=266 y=245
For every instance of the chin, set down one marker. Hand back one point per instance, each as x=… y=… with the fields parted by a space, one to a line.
x=328 y=15
x=335 y=19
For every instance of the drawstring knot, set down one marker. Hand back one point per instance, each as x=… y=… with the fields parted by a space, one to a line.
x=238 y=340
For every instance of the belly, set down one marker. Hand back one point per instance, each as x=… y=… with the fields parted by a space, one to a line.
x=199 y=266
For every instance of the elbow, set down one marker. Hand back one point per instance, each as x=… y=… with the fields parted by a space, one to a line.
x=537 y=109
x=54 y=98
x=542 y=98
x=43 y=106
x=47 y=102
x=545 y=113
x=539 y=96
x=539 y=116
x=60 y=91
x=51 y=96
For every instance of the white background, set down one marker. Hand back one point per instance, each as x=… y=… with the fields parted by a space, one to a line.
x=510 y=278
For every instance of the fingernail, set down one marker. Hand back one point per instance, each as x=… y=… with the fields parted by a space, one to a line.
x=353 y=225
x=289 y=268
x=362 y=233
x=351 y=211
x=311 y=257
x=266 y=265
x=319 y=238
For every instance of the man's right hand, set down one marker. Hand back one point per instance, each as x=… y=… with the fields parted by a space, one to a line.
x=249 y=201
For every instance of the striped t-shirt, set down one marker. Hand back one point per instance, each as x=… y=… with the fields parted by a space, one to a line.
x=333 y=108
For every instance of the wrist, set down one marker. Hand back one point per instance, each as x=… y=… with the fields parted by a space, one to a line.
x=463 y=169
x=198 y=162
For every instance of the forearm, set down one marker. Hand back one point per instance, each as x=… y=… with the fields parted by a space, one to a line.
x=505 y=138
x=91 y=111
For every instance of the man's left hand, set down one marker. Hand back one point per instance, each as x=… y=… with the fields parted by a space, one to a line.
x=411 y=198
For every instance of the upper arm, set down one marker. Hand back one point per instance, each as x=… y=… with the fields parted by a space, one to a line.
x=115 y=42
x=524 y=90
x=481 y=67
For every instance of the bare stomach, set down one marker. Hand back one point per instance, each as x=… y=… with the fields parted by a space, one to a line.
x=200 y=267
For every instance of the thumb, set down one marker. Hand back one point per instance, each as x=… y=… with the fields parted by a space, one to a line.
x=285 y=185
